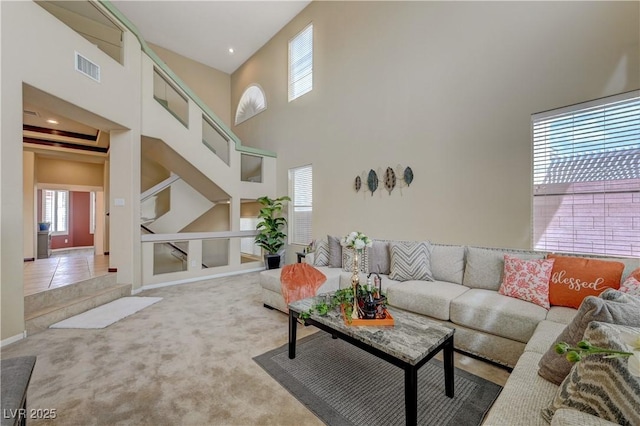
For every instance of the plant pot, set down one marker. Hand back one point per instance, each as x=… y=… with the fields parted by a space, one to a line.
x=272 y=261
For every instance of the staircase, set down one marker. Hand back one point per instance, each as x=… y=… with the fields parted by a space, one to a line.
x=51 y=306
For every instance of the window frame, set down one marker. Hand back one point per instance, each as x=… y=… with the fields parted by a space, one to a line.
x=582 y=161
x=54 y=220
x=293 y=234
x=291 y=94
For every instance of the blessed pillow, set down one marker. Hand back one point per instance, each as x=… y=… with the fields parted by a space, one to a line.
x=321 y=257
x=527 y=280
x=379 y=258
x=574 y=278
x=601 y=386
x=611 y=307
x=410 y=261
x=335 y=252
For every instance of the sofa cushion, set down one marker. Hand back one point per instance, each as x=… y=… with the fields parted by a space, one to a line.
x=561 y=314
x=411 y=260
x=447 y=263
x=347 y=260
x=527 y=280
x=321 y=257
x=523 y=396
x=612 y=307
x=488 y=311
x=379 y=257
x=599 y=385
x=335 y=252
x=427 y=298
x=484 y=266
x=571 y=417
x=574 y=278
x=546 y=332
x=631 y=286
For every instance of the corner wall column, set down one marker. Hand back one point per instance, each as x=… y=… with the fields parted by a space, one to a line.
x=124 y=207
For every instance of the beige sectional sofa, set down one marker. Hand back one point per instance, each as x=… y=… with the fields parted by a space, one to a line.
x=501 y=329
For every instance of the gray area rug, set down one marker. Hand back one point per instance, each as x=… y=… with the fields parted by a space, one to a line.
x=344 y=385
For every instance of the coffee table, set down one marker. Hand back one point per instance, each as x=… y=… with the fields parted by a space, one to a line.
x=409 y=344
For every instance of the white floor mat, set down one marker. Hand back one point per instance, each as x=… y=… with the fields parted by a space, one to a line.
x=105 y=315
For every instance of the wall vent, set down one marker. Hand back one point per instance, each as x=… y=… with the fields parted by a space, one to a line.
x=88 y=68
x=30 y=113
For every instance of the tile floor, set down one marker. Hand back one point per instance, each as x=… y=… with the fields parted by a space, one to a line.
x=63 y=268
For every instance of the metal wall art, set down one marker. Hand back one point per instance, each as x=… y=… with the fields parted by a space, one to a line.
x=390 y=179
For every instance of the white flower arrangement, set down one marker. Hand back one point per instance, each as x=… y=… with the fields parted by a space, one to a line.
x=356 y=241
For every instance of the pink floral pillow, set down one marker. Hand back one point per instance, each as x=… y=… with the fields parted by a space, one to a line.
x=527 y=280
x=631 y=286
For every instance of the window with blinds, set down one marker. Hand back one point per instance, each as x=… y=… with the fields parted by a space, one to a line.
x=55 y=210
x=586 y=177
x=301 y=205
x=301 y=63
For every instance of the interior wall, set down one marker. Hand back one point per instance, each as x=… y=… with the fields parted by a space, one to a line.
x=28 y=204
x=447 y=88
x=211 y=85
x=66 y=172
x=215 y=219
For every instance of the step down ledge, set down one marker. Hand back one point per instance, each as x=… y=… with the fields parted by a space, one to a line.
x=34 y=303
x=42 y=319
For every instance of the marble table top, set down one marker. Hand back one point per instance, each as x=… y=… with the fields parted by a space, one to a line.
x=411 y=339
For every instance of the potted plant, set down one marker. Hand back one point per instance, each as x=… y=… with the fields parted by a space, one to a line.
x=270 y=229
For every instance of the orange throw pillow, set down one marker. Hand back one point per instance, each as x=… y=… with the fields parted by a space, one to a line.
x=299 y=281
x=574 y=278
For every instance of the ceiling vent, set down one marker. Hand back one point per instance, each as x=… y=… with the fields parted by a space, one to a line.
x=30 y=113
x=88 y=68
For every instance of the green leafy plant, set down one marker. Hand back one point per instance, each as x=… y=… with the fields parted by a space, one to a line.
x=342 y=298
x=270 y=235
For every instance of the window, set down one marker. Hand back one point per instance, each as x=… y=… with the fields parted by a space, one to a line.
x=301 y=63
x=301 y=205
x=55 y=210
x=586 y=177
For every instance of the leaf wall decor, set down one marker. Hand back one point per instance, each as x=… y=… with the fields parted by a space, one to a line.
x=408 y=175
x=358 y=184
x=389 y=179
x=372 y=181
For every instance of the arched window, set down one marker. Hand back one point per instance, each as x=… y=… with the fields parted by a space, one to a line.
x=251 y=103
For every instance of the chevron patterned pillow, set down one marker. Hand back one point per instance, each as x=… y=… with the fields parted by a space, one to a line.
x=598 y=385
x=411 y=260
x=322 y=253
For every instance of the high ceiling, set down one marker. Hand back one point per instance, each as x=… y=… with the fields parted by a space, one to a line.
x=205 y=30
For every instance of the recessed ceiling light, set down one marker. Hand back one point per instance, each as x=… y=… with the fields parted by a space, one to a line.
x=231 y=51
x=52 y=121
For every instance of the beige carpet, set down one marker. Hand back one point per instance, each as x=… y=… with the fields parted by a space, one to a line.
x=185 y=360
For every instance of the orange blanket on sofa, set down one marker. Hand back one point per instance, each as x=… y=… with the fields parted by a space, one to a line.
x=299 y=281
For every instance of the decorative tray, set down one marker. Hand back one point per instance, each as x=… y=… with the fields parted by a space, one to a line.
x=388 y=321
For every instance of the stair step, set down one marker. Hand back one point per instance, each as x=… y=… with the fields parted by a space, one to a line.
x=69 y=303
x=37 y=302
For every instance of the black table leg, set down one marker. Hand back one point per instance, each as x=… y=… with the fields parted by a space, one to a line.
x=447 y=354
x=411 y=395
x=293 y=327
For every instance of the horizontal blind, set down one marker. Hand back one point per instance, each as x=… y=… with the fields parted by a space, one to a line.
x=301 y=204
x=586 y=177
x=301 y=63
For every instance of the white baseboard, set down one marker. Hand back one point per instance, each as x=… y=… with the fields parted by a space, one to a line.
x=13 y=339
x=194 y=279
